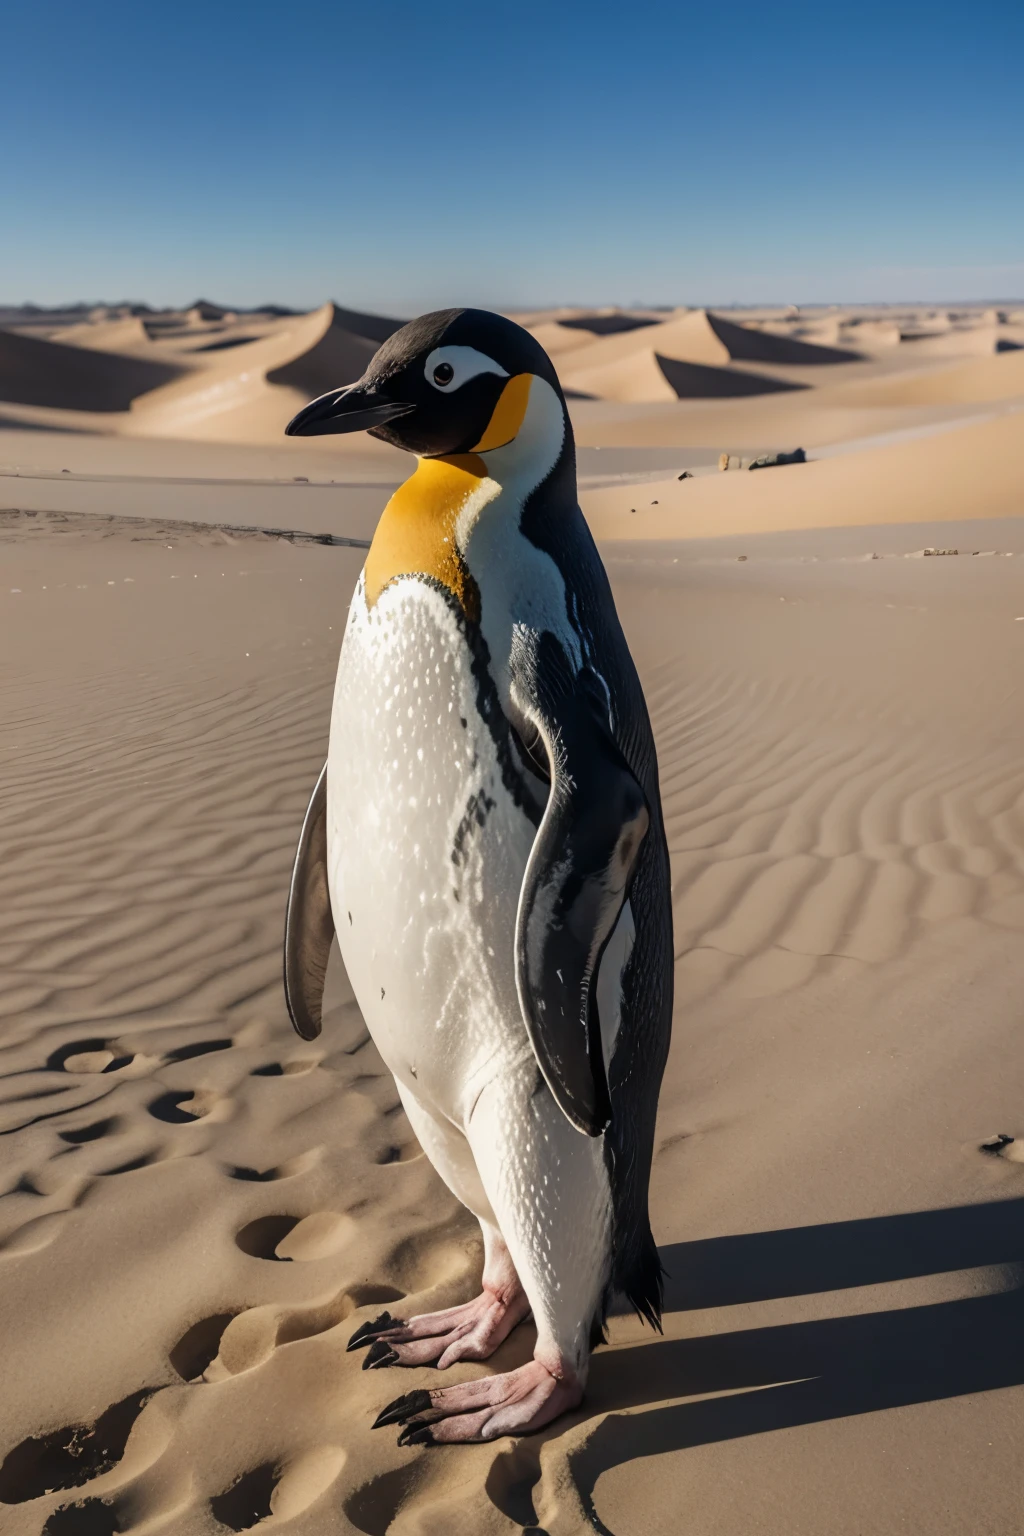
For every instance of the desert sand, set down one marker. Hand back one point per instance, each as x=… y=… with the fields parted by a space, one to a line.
x=198 y=1208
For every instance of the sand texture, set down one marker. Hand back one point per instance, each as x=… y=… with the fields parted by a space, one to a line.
x=197 y=1208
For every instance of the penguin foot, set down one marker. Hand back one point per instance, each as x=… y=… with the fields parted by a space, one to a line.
x=514 y=1403
x=367 y=1332
x=470 y=1332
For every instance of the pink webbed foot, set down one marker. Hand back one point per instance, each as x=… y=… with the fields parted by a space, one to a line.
x=469 y=1332
x=511 y=1404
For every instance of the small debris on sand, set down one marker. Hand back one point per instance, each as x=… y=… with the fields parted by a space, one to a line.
x=771 y=460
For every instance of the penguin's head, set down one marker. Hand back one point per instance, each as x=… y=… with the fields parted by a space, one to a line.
x=456 y=381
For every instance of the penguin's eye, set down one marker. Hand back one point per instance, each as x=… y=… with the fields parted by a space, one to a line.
x=448 y=368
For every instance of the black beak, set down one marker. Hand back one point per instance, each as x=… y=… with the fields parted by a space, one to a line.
x=352 y=409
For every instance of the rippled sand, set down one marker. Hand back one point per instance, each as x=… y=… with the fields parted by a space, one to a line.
x=197 y=1208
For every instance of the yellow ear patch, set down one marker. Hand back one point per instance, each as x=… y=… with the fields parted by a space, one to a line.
x=416 y=532
x=508 y=414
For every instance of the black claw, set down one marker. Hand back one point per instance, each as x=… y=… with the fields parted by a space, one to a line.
x=378 y=1354
x=367 y=1332
x=403 y=1408
x=416 y=1434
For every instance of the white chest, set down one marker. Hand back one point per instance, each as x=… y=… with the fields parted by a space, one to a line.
x=426 y=847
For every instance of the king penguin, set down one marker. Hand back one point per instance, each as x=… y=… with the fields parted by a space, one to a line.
x=486 y=839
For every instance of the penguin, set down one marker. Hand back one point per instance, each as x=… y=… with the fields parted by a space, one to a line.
x=486 y=839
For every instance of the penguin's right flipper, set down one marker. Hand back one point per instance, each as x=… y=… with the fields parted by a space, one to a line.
x=577 y=877
x=309 y=922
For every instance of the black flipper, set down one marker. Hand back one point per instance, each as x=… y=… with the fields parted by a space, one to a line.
x=577 y=877
x=309 y=922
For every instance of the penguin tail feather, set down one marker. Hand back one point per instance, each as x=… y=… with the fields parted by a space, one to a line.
x=642 y=1285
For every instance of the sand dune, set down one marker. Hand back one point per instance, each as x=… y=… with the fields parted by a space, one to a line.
x=868 y=335
x=901 y=388
x=240 y=377
x=372 y=327
x=637 y=364
x=975 y=341
x=51 y=374
x=695 y=381
x=340 y=355
x=648 y=376
x=637 y=376
x=249 y=393
x=561 y=331
x=699 y=336
x=688 y=336
x=120 y=335
x=971 y=471
x=745 y=344
x=608 y=322
x=999 y=376
x=203 y=310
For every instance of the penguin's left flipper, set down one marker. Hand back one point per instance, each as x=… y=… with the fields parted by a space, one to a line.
x=578 y=874
x=309 y=922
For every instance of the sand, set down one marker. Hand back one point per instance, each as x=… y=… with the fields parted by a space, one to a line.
x=198 y=1207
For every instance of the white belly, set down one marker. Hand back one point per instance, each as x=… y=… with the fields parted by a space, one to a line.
x=426 y=851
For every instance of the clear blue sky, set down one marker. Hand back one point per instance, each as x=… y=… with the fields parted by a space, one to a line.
x=398 y=157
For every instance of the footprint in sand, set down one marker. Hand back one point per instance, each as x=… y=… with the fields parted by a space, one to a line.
x=374 y=1506
x=259 y=1238
x=90 y=1517
x=303 y=1238
x=72 y=1456
x=269 y=1494
x=251 y=1338
x=199 y=1346
x=84 y=1055
x=286 y=1170
x=93 y=1057
x=103 y=1056
x=312 y=1321
x=297 y=1067
x=184 y=1107
x=317 y=1236
x=89 y=1061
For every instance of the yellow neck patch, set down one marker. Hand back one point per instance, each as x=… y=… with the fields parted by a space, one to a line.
x=416 y=532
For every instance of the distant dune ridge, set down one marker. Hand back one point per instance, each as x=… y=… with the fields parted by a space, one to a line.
x=197 y=1209
x=116 y=335
x=198 y=371
x=340 y=356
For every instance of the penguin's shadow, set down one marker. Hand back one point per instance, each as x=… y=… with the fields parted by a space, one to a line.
x=827 y=1368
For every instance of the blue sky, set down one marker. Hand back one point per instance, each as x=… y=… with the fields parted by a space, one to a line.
x=400 y=157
